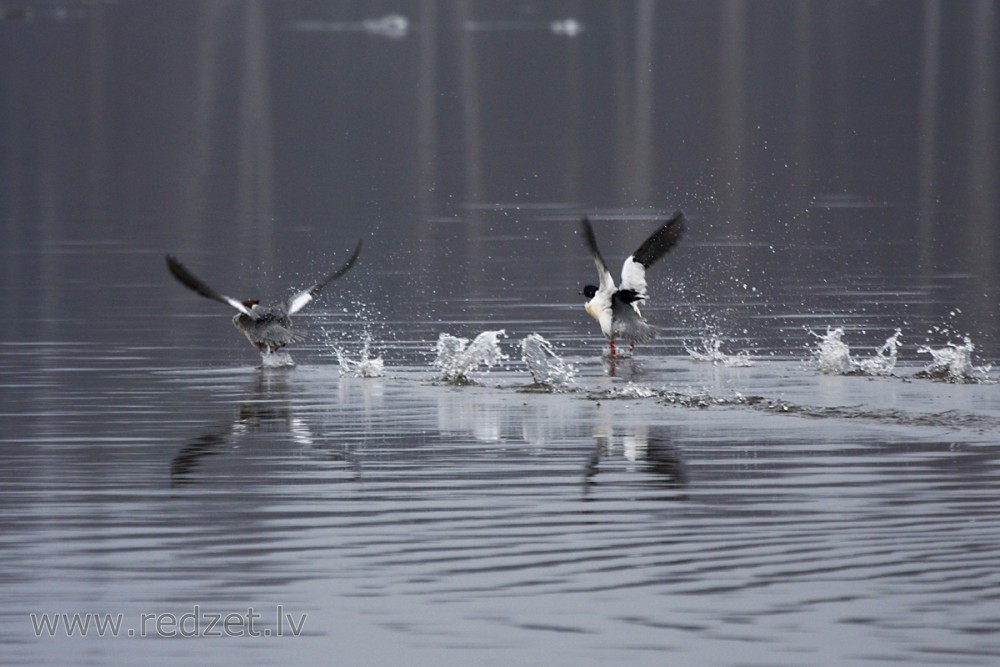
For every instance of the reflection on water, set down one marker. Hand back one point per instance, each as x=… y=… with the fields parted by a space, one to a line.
x=390 y=26
x=653 y=451
x=438 y=518
x=265 y=408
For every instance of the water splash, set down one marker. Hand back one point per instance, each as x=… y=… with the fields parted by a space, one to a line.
x=833 y=355
x=711 y=352
x=884 y=360
x=365 y=366
x=546 y=367
x=277 y=359
x=457 y=357
x=954 y=364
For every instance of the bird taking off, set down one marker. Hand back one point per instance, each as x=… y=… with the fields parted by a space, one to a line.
x=268 y=328
x=616 y=309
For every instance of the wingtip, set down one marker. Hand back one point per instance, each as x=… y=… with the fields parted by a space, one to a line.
x=297 y=302
x=660 y=241
x=174 y=266
x=588 y=235
x=676 y=224
x=678 y=218
x=353 y=258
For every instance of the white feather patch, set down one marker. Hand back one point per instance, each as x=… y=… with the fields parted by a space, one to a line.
x=634 y=277
x=238 y=306
x=600 y=309
x=298 y=302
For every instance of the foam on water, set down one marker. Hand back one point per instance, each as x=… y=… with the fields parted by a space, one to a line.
x=833 y=355
x=633 y=390
x=457 y=357
x=365 y=366
x=954 y=364
x=711 y=352
x=951 y=419
x=546 y=367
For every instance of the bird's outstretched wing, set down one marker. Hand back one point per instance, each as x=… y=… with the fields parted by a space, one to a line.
x=651 y=250
x=193 y=282
x=301 y=299
x=600 y=305
x=607 y=283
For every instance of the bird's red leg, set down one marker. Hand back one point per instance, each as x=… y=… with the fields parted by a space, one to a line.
x=611 y=342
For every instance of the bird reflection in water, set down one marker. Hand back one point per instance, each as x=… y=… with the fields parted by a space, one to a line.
x=648 y=450
x=266 y=408
x=622 y=366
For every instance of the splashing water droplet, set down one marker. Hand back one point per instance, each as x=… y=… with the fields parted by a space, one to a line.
x=711 y=352
x=954 y=364
x=457 y=357
x=833 y=355
x=365 y=366
x=884 y=360
x=546 y=367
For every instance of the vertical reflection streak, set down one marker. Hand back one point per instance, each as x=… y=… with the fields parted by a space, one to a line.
x=255 y=195
x=644 y=76
x=930 y=100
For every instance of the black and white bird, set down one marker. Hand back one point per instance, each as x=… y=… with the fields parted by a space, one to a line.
x=617 y=308
x=268 y=328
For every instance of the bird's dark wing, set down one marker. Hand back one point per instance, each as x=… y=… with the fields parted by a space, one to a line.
x=652 y=249
x=607 y=285
x=193 y=282
x=303 y=298
x=660 y=241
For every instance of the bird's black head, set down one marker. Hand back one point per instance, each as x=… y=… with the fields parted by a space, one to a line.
x=589 y=291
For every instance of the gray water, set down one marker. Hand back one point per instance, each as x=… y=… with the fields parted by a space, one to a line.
x=784 y=504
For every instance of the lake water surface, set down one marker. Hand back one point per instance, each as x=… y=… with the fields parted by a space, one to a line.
x=780 y=479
